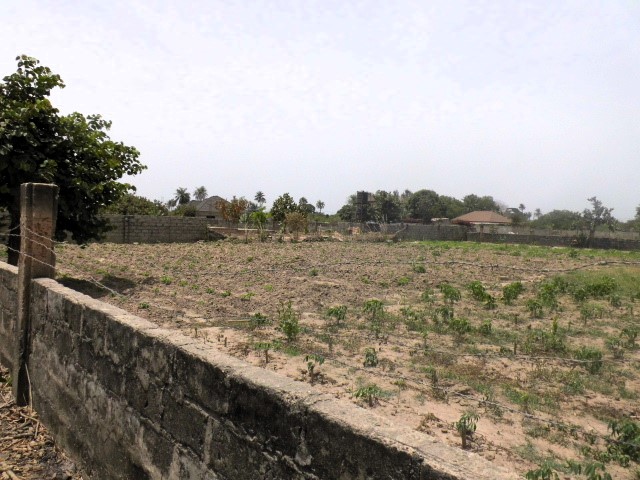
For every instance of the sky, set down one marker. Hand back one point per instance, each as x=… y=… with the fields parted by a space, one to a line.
x=534 y=103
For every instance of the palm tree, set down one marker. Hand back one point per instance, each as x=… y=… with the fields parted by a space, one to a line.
x=182 y=196
x=320 y=205
x=260 y=198
x=200 y=193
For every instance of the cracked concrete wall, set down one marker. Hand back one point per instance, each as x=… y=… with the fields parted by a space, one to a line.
x=131 y=400
x=8 y=313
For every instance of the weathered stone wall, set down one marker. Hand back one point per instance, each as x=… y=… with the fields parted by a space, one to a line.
x=131 y=400
x=155 y=229
x=416 y=232
x=8 y=313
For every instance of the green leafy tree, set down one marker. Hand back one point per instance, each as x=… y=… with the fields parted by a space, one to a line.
x=200 y=193
x=387 y=207
x=260 y=198
x=296 y=222
x=259 y=218
x=283 y=204
x=305 y=207
x=558 y=220
x=37 y=144
x=131 y=204
x=597 y=216
x=352 y=212
x=181 y=197
x=320 y=206
x=474 y=203
x=425 y=205
x=451 y=207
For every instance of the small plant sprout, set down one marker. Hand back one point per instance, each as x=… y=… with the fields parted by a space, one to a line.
x=466 y=427
x=370 y=357
x=370 y=393
x=313 y=360
x=265 y=347
x=338 y=312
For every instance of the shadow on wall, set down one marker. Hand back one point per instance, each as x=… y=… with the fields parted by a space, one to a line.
x=97 y=289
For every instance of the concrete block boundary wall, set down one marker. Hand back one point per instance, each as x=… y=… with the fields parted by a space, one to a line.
x=131 y=400
x=169 y=229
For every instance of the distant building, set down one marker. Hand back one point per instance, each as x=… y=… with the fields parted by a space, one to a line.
x=209 y=207
x=482 y=217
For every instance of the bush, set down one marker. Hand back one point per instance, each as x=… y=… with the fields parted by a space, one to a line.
x=625 y=438
x=450 y=293
x=511 y=292
x=592 y=358
x=288 y=321
x=370 y=357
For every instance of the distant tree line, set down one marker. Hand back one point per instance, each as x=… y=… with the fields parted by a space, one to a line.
x=420 y=206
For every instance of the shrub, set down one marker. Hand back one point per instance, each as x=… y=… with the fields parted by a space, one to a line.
x=371 y=393
x=428 y=296
x=625 y=438
x=466 y=426
x=592 y=358
x=374 y=309
x=370 y=357
x=511 y=292
x=288 y=321
x=485 y=328
x=478 y=292
x=338 y=312
x=547 y=296
x=460 y=326
x=535 y=308
x=450 y=293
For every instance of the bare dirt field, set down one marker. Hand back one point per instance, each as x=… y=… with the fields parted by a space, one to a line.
x=533 y=347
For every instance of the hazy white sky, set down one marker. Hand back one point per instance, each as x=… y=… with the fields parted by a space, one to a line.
x=532 y=102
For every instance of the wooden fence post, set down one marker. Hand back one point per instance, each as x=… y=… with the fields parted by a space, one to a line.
x=38 y=213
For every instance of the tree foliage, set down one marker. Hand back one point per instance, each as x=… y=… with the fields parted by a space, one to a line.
x=296 y=223
x=424 y=205
x=131 y=204
x=281 y=206
x=37 y=144
x=474 y=203
x=596 y=216
x=200 y=193
x=558 y=220
x=233 y=210
x=305 y=207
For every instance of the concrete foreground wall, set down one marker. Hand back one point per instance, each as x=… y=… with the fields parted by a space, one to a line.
x=130 y=400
